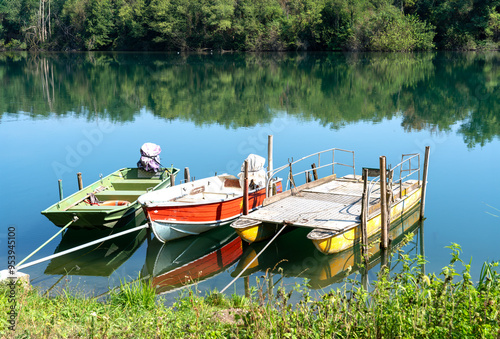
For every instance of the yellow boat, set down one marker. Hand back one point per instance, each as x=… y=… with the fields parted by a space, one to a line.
x=331 y=206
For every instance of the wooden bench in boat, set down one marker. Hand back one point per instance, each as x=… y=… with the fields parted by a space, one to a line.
x=130 y=196
x=135 y=184
x=215 y=196
x=87 y=208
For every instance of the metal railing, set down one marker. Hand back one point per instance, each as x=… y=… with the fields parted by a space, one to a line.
x=390 y=177
x=325 y=153
x=410 y=169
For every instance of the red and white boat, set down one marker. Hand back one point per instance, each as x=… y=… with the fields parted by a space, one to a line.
x=199 y=206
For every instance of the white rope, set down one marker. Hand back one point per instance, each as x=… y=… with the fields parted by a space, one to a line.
x=82 y=246
x=248 y=265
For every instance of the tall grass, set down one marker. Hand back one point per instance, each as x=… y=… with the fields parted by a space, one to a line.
x=138 y=294
x=402 y=304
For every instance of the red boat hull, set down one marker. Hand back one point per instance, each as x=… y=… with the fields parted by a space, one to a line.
x=205 y=213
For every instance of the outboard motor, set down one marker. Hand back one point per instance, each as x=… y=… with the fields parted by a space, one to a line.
x=150 y=157
x=256 y=172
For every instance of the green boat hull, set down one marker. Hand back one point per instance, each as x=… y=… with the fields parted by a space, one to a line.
x=124 y=185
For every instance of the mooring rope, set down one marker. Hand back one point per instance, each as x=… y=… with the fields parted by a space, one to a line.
x=248 y=265
x=75 y=218
x=109 y=237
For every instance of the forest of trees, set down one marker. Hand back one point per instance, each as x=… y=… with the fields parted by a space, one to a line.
x=249 y=25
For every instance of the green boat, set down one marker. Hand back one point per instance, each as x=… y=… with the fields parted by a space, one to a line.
x=109 y=202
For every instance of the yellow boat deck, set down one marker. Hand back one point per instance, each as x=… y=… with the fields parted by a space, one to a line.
x=328 y=204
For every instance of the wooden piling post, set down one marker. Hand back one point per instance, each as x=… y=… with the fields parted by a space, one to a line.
x=80 y=182
x=187 y=177
x=270 y=161
x=172 y=179
x=424 y=181
x=422 y=247
x=315 y=172
x=245 y=189
x=384 y=218
x=308 y=178
x=246 y=281
x=61 y=197
x=364 y=217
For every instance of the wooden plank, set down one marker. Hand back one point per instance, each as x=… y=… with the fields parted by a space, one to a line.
x=295 y=190
x=374 y=172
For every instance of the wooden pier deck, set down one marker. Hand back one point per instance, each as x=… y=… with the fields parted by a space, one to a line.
x=332 y=207
x=328 y=204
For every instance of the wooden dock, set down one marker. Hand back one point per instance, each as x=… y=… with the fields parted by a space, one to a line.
x=333 y=205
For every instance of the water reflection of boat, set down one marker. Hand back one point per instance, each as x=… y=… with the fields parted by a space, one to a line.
x=101 y=259
x=189 y=260
x=322 y=270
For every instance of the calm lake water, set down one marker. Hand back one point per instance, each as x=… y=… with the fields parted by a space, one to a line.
x=88 y=112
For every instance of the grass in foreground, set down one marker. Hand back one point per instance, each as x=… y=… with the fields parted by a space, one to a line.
x=407 y=304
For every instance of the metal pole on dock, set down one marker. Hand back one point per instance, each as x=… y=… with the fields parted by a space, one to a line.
x=61 y=196
x=80 y=182
x=245 y=189
x=384 y=218
x=333 y=161
x=424 y=181
x=364 y=217
x=270 y=161
x=186 y=174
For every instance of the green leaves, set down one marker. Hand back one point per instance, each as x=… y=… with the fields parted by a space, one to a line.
x=100 y=25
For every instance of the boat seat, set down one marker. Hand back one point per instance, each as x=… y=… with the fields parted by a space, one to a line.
x=135 y=184
x=218 y=193
x=229 y=182
x=130 y=196
x=205 y=197
x=88 y=208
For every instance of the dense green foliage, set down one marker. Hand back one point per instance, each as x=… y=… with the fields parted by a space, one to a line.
x=403 y=304
x=432 y=91
x=250 y=25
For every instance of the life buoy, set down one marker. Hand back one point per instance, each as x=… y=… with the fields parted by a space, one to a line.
x=114 y=203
